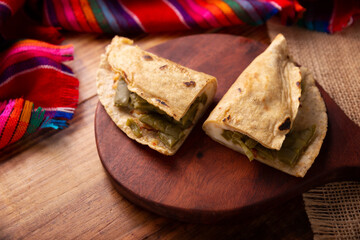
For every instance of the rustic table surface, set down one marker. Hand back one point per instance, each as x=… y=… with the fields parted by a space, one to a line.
x=53 y=185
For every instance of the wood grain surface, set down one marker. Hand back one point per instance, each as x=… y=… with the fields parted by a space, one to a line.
x=205 y=181
x=53 y=186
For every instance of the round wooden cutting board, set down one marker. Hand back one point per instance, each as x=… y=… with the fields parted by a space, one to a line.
x=205 y=181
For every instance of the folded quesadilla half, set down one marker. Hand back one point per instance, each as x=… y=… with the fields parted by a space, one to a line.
x=273 y=113
x=153 y=100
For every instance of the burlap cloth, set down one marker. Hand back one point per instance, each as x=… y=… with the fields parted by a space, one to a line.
x=333 y=209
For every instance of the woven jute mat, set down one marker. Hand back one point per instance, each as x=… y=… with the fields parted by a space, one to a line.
x=333 y=209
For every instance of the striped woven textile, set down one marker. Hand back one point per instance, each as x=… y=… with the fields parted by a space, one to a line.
x=134 y=16
x=127 y=17
x=329 y=15
x=36 y=89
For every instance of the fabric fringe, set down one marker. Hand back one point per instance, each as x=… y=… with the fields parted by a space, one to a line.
x=11 y=123
x=55 y=124
x=69 y=96
x=19 y=119
x=43 y=92
x=24 y=121
x=334 y=210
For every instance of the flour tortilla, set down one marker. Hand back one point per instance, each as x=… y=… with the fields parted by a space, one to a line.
x=163 y=87
x=311 y=110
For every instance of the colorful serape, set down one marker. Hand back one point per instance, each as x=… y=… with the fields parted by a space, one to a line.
x=126 y=17
x=134 y=16
x=36 y=89
x=329 y=15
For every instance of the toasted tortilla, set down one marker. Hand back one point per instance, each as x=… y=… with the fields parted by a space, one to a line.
x=264 y=100
x=160 y=82
x=310 y=111
x=172 y=88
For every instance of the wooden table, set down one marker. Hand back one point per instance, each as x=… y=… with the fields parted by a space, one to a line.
x=53 y=186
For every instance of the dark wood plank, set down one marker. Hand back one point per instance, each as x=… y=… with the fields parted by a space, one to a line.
x=205 y=181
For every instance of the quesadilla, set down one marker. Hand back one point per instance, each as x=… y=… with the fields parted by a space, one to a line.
x=273 y=113
x=151 y=99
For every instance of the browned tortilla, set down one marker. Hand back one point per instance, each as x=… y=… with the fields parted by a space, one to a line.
x=266 y=94
x=164 y=84
x=264 y=100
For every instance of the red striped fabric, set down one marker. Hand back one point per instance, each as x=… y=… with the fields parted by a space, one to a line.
x=11 y=123
x=79 y=14
x=151 y=22
x=36 y=89
x=23 y=122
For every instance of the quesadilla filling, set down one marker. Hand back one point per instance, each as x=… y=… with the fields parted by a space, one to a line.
x=168 y=130
x=294 y=145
